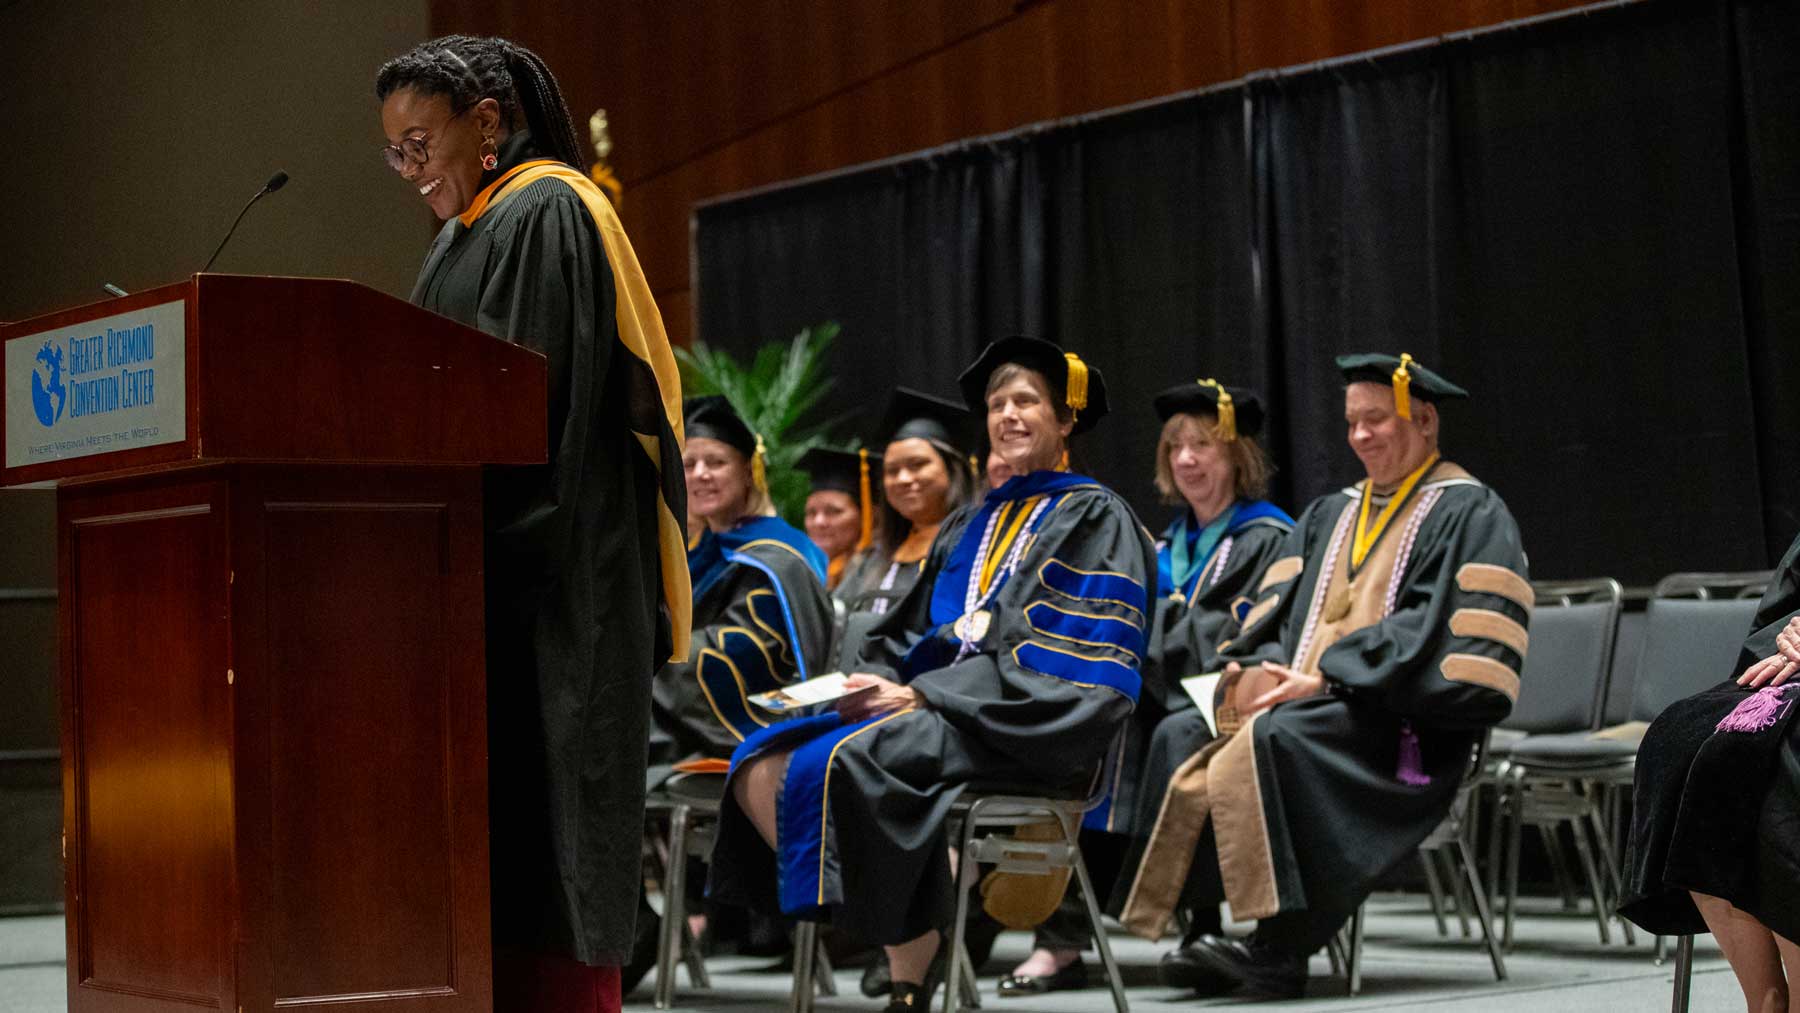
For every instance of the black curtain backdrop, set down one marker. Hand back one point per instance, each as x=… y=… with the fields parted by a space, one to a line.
x=1592 y=222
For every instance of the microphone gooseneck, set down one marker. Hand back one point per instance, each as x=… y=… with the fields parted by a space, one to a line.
x=275 y=183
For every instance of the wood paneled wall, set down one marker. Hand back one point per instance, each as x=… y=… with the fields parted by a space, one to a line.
x=707 y=97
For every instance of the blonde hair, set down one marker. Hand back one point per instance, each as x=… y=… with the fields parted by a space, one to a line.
x=1250 y=464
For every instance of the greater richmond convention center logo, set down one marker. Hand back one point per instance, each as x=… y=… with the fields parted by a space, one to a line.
x=48 y=395
x=97 y=386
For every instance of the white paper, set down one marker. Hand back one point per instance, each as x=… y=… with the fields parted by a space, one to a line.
x=823 y=689
x=1200 y=689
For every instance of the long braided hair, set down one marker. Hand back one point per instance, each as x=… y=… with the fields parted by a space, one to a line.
x=469 y=68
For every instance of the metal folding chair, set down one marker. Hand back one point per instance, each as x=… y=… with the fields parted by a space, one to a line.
x=1007 y=807
x=692 y=801
x=1693 y=628
x=1451 y=835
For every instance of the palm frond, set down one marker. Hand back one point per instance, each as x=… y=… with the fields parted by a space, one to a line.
x=775 y=393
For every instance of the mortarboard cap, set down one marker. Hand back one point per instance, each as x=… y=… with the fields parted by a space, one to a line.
x=1408 y=378
x=1072 y=380
x=1239 y=410
x=915 y=414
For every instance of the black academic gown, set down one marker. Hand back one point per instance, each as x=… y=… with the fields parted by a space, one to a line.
x=1188 y=625
x=575 y=624
x=1302 y=808
x=873 y=585
x=762 y=620
x=1035 y=700
x=1717 y=810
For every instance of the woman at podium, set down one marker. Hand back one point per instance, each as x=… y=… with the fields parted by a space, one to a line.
x=586 y=575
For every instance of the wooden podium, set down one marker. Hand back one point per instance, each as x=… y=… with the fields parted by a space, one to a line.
x=272 y=671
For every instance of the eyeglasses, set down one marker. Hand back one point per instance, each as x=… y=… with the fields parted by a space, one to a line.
x=413 y=150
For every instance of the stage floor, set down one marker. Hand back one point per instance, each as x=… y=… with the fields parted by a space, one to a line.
x=1557 y=964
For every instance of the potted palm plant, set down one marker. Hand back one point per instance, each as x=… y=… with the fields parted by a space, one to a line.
x=774 y=394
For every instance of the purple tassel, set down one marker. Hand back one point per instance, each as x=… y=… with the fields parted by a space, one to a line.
x=1412 y=766
x=1757 y=712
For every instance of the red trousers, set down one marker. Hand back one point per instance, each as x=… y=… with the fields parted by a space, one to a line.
x=526 y=982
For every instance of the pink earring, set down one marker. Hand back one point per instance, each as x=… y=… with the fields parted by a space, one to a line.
x=490 y=157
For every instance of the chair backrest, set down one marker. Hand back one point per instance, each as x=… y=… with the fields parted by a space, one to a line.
x=1564 y=681
x=1713 y=586
x=1693 y=631
x=1621 y=682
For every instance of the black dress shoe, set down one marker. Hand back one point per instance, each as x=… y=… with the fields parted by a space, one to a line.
x=1184 y=968
x=1254 y=966
x=906 y=997
x=875 y=980
x=1070 y=976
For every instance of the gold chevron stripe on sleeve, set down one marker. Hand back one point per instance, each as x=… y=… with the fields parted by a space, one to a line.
x=1486 y=578
x=1284 y=569
x=1480 y=671
x=1490 y=625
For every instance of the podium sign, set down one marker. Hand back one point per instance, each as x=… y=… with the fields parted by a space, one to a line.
x=114 y=383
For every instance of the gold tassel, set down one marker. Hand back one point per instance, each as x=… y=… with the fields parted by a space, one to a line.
x=1227 y=410
x=1402 y=387
x=868 y=508
x=1076 y=388
x=759 y=468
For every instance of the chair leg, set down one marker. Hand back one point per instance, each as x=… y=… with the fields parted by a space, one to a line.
x=971 y=988
x=1595 y=888
x=806 y=950
x=1436 y=890
x=1496 y=828
x=958 y=970
x=1354 y=958
x=1334 y=953
x=1515 y=841
x=1457 y=893
x=1609 y=862
x=674 y=917
x=693 y=959
x=1071 y=829
x=1481 y=908
x=823 y=973
x=1660 y=952
x=1559 y=866
x=1684 y=974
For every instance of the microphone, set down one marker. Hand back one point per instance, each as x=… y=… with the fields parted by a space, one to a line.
x=275 y=183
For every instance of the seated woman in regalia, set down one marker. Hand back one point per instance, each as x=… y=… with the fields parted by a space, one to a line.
x=1014 y=659
x=762 y=618
x=1716 y=809
x=925 y=476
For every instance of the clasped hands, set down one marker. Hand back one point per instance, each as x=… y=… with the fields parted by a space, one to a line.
x=1287 y=685
x=860 y=702
x=1777 y=668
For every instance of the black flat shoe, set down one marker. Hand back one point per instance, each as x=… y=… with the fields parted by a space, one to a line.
x=1183 y=968
x=875 y=980
x=1072 y=976
x=1248 y=964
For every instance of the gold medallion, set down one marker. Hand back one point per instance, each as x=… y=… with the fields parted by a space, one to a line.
x=1337 y=605
x=972 y=626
